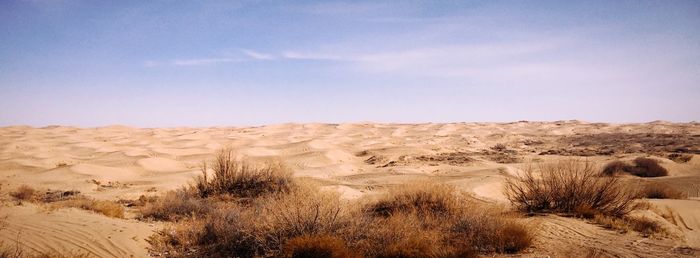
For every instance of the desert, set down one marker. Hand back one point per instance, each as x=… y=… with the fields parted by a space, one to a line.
x=360 y=161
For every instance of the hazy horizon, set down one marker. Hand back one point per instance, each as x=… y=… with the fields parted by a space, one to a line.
x=246 y=63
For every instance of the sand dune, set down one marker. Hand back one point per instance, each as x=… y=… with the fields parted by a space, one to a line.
x=354 y=159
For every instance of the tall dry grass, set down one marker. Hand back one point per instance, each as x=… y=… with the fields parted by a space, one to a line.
x=567 y=187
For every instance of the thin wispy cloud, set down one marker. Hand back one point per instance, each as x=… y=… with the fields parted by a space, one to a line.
x=258 y=55
x=202 y=61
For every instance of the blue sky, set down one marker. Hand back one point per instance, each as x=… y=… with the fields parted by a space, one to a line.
x=206 y=63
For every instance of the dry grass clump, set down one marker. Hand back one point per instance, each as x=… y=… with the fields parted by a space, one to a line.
x=569 y=186
x=423 y=198
x=241 y=179
x=175 y=205
x=656 y=190
x=24 y=193
x=69 y=199
x=104 y=207
x=311 y=246
x=642 y=225
x=643 y=167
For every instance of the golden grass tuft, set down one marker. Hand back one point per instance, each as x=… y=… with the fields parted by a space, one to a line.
x=104 y=207
x=644 y=226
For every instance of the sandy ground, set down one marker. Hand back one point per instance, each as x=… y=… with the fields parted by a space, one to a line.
x=119 y=162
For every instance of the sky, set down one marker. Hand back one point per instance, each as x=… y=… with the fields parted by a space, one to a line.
x=246 y=63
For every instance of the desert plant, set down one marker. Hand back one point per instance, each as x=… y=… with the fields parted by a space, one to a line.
x=490 y=231
x=423 y=198
x=23 y=193
x=642 y=225
x=656 y=190
x=104 y=207
x=317 y=246
x=175 y=205
x=614 y=168
x=680 y=157
x=567 y=186
x=646 y=167
x=643 y=167
x=241 y=179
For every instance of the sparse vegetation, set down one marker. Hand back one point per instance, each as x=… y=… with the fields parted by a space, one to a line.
x=423 y=198
x=680 y=157
x=23 y=193
x=104 y=207
x=317 y=246
x=642 y=225
x=69 y=199
x=568 y=187
x=241 y=179
x=174 y=205
x=420 y=219
x=643 y=167
x=656 y=190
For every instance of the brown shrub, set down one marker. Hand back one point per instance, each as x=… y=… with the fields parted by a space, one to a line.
x=490 y=231
x=260 y=229
x=655 y=190
x=423 y=198
x=317 y=246
x=680 y=157
x=241 y=179
x=307 y=222
x=614 y=168
x=175 y=205
x=567 y=186
x=646 y=167
x=643 y=167
x=24 y=193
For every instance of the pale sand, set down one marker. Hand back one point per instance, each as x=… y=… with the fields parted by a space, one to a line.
x=354 y=159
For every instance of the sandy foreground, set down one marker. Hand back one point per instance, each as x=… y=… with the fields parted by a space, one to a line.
x=119 y=162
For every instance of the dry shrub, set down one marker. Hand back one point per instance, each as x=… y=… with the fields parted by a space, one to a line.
x=643 y=167
x=569 y=186
x=23 y=193
x=614 y=168
x=656 y=190
x=317 y=246
x=239 y=178
x=492 y=232
x=646 y=167
x=175 y=205
x=104 y=207
x=423 y=198
x=680 y=157
x=260 y=229
x=417 y=220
